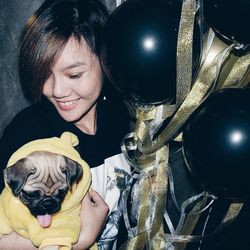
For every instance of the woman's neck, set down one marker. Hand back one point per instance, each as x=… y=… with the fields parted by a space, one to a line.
x=88 y=123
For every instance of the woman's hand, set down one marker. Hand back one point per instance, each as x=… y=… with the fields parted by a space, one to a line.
x=93 y=214
x=15 y=242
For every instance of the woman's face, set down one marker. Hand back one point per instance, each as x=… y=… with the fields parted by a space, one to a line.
x=75 y=82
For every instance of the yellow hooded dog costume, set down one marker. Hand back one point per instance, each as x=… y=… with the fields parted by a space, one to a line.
x=65 y=227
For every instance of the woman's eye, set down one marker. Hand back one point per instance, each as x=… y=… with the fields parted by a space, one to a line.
x=75 y=76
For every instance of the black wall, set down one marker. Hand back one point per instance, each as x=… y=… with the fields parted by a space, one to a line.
x=13 y=15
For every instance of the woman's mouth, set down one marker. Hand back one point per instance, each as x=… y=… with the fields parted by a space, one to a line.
x=67 y=105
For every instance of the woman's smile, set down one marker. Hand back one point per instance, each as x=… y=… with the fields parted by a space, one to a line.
x=67 y=105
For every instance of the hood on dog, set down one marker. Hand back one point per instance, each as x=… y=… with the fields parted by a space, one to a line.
x=63 y=146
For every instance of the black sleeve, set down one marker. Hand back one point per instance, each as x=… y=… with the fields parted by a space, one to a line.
x=8 y=145
x=14 y=135
x=4 y=155
x=34 y=122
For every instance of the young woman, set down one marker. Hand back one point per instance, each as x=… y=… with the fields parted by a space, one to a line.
x=60 y=71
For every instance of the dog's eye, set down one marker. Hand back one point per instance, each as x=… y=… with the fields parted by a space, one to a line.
x=61 y=193
x=63 y=168
x=30 y=195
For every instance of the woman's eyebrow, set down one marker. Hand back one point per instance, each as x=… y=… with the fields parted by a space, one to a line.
x=74 y=65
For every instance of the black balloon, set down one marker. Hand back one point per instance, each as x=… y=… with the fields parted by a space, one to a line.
x=139 y=49
x=230 y=18
x=216 y=144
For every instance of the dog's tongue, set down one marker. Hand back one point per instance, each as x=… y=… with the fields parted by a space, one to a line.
x=44 y=220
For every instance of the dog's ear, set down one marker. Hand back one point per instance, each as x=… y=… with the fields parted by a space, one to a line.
x=73 y=171
x=16 y=175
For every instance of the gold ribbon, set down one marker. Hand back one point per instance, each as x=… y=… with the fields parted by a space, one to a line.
x=203 y=85
x=153 y=189
x=159 y=193
x=185 y=50
x=180 y=238
x=150 y=155
x=239 y=72
x=190 y=223
x=150 y=119
x=152 y=200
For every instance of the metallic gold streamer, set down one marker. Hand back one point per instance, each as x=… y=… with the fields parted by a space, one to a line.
x=152 y=207
x=182 y=239
x=185 y=50
x=136 y=243
x=203 y=85
x=134 y=158
x=233 y=212
x=150 y=158
x=152 y=197
x=159 y=192
x=148 y=120
x=238 y=72
x=190 y=223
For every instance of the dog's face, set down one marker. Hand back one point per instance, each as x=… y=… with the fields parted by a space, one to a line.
x=41 y=180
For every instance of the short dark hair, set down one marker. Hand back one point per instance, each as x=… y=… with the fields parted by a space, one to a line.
x=47 y=32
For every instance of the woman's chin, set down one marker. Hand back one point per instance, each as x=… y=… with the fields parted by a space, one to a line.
x=69 y=116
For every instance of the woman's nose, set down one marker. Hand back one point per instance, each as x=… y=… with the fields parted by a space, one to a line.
x=60 y=89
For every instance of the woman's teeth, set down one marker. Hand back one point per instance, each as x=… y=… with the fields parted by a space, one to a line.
x=67 y=103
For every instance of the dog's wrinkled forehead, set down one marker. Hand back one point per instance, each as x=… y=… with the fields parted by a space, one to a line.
x=43 y=160
x=49 y=172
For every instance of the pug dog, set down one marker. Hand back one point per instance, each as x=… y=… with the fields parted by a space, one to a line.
x=46 y=180
x=41 y=181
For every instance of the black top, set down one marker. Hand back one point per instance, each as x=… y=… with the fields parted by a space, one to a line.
x=43 y=121
x=110 y=172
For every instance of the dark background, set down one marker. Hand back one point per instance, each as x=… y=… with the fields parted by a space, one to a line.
x=13 y=16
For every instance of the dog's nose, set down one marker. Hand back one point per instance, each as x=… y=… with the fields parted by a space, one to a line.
x=48 y=203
